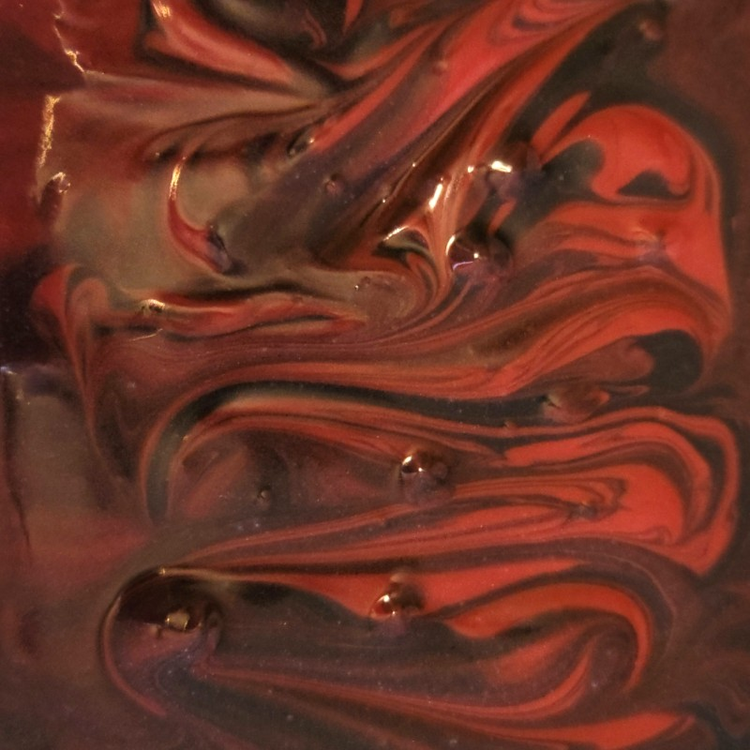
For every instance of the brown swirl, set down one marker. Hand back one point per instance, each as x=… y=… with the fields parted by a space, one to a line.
x=390 y=343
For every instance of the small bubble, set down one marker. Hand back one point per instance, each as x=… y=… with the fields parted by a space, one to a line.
x=571 y=403
x=301 y=142
x=151 y=307
x=440 y=66
x=424 y=478
x=190 y=618
x=263 y=500
x=216 y=250
x=585 y=512
x=179 y=620
x=488 y=256
x=402 y=598
x=418 y=463
x=515 y=170
x=49 y=201
x=60 y=182
x=161 y=156
x=651 y=30
x=363 y=284
x=334 y=185
x=521 y=156
x=170 y=606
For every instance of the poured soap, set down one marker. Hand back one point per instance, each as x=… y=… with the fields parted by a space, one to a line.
x=374 y=376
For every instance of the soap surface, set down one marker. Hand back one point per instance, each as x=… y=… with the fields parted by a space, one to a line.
x=374 y=375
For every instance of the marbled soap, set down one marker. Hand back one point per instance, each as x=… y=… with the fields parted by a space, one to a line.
x=374 y=375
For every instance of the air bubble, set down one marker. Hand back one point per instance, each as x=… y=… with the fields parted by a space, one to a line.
x=263 y=500
x=364 y=283
x=572 y=403
x=514 y=172
x=402 y=598
x=651 y=30
x=161 y=156
x=170 y=606
x=487 y=256
x=301 y=143
x=151 y=307
x=49 y=201
x=216 y=250
x=195 y=617
x=440 y=66
x=334 y=185
x=586 y=512
x=424 y=478
x=180 y=620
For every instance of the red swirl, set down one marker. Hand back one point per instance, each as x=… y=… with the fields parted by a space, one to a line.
x=392 y=333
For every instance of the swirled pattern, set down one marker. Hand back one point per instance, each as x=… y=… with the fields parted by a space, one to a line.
x=380 y=395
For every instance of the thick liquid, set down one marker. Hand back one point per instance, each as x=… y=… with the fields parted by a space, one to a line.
x=374 y=376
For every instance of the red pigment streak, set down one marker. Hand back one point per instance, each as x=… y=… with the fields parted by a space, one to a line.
x=373 y=377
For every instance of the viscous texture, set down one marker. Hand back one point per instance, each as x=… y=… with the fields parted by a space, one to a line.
x=373 y=377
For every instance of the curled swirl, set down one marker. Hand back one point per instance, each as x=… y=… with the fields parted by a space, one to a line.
x=393 y=328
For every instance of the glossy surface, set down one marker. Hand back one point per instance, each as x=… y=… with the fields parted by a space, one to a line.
x=374 y=376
